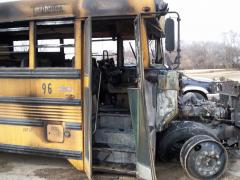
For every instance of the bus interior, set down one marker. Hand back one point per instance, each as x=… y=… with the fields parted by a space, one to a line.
x=114 y=70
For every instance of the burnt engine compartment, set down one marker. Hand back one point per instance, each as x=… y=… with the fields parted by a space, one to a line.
x=222 y=117
x=203 y=132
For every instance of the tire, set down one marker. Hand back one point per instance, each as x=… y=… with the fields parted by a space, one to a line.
x=170 y=142
x=202 y=157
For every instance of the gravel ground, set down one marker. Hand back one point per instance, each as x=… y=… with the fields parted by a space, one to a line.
x=21 y=167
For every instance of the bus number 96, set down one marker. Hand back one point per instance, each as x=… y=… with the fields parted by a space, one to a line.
x=47 y=88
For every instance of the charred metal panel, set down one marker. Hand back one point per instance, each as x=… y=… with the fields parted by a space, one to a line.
x=37 y=9
x=52 y=9
x=143 y=165
x=106 y=7
x=145 y=134
x=167 y=98
x=88 y=97
x=97 y=8
x=164 y=94
x=230 y=97
x=236 y=112
x=231 y=88
x=115 y=8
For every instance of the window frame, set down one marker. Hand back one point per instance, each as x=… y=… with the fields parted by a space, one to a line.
x=158 y=45
x=33 y=72
x=25 y=28
x=77 y=39
x=32 y=48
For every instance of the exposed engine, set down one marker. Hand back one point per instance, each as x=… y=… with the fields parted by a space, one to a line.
x=192 y=107
x=203 y=132
x=221 y=117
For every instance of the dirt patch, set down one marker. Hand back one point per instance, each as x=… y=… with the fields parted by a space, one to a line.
x=72 y=174
x=16 y=167
x=5 y=166
x=170 y=171
x=233 y=169
x=60 y=173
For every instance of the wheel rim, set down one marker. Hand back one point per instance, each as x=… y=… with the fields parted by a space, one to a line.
x=204 y=158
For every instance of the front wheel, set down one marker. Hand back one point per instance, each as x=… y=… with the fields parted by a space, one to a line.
x=203 y=157
x=170 y=142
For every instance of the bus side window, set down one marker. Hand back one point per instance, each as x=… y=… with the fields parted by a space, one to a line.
x=55 y=44
x=14 y=45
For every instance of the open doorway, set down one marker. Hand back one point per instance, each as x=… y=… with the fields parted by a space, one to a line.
x=114 y=71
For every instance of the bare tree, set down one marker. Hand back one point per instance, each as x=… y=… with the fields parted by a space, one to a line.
x=206 y=55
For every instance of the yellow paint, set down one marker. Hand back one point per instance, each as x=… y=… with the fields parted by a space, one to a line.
x=78 y=164
x=32 y=136
x=54 y=88
x=144 y=44
x=139 y=5
x=36 y=137
x=86 y=81
x=78 y=43
x=32 y=43
x=41 y=112
x=23 y=87
x=60 y=88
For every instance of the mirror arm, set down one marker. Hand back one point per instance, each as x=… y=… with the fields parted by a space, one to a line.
x=179 y=40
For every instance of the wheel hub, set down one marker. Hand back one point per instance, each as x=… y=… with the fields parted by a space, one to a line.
x=203 y=157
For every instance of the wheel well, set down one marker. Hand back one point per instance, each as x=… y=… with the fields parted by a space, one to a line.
x=199 y=92
x=169 y=141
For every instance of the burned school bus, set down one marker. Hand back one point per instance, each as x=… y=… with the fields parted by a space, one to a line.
x=90 y=81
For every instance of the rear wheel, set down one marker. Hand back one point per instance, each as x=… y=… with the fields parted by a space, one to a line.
x=171 y=141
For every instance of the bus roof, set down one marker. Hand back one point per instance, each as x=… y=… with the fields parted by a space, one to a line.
x=20 y=10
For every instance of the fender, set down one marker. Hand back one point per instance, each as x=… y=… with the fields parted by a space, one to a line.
x=195 y=88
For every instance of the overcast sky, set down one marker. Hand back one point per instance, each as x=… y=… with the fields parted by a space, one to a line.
x=7 y=0
x=206 y=20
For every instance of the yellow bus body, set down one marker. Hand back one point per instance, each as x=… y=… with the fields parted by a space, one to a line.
x=41 y=109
